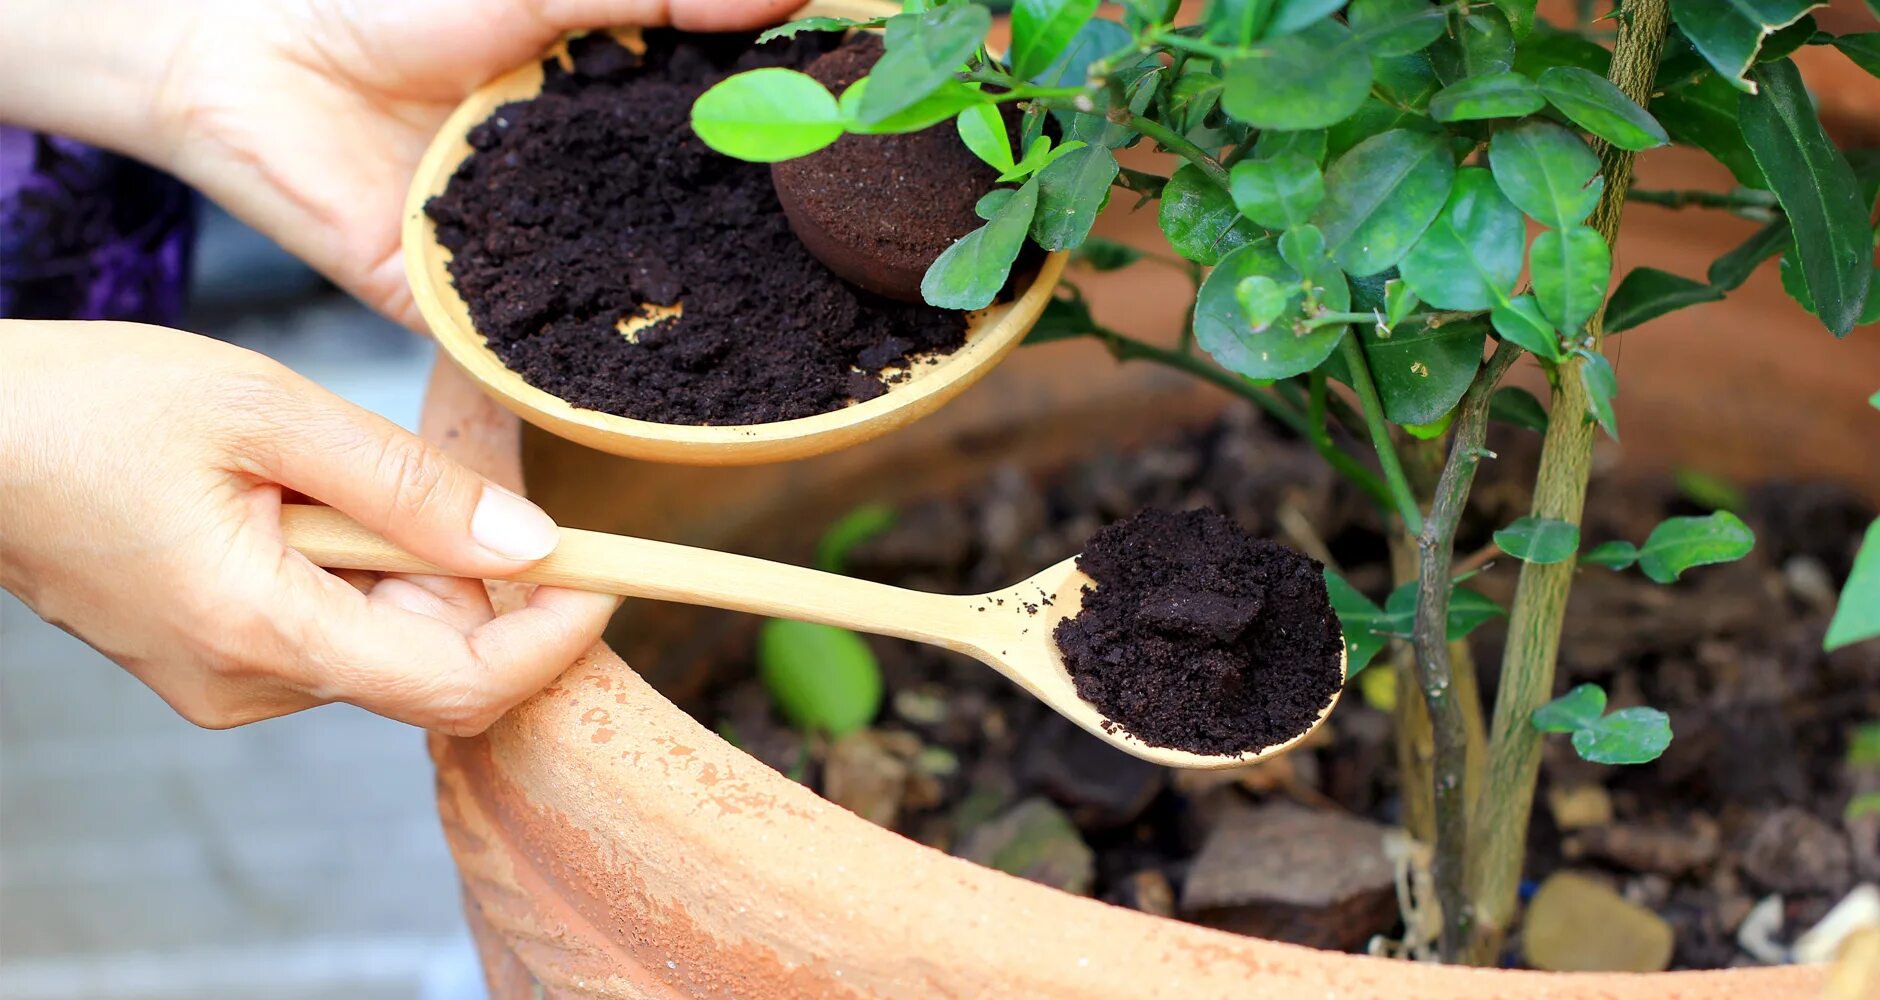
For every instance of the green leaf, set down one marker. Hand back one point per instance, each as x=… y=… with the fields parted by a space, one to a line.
x=1096 y=38
x=1540 y=540
x=1520 y=15
x=1199 y=218
x=1099 y=254
x=1679 y=543
x=1262 y=300
x=969 y=274
x=1520 y=322
x=1395 y=27
x=1309 y=143
x=1602 y=384
x=1399 y=302
x=1706 y=490
x=1311 y=79
x=1381 y=195
x=1071 y=191
x=1236 y=23
x=1304 y=248
x=851 y=529
x=1614 y=555
x=1484 y=45
x=1547 y=172
x=1594 y=104
x=1468 y=611
x=1491 y=95
x=1629 y=736
x=1818 y=191
x=1703 y=114
x=1375 y=117
x=1039 y=155
x=821 y=678
x=1730 y=32
x=952 y=98
x=982 y=129
x=1277 y=193
x=1551 y=47
x=802 y=24
x=1648 y=293
x=1729 y=271
x=1042 y=30
x=923 y=51
x=1863 y=48
x=1407 y=82
x=1471 y=255
x=1356 y=616
x=1570 y=269
x=1422 y=371
x=1225 y=331
x=1517 y=406
x=1863 y=748
x=989 y=203
x=1571 y=712
x=1066 y=316
x=767 y=115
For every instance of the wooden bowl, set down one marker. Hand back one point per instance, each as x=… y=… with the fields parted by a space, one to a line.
x=929 y=383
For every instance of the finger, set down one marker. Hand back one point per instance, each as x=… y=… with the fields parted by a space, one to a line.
x=688 y=15
x=460 y=603
x=392 y=482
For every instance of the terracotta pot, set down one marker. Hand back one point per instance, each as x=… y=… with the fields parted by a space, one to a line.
x=610 y=846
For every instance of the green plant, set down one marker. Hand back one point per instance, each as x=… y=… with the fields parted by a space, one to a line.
x=1352 y=196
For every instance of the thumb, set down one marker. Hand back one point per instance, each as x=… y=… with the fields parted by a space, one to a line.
x=395 y=483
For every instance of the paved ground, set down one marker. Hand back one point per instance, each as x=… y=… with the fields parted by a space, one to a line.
x=298 y=859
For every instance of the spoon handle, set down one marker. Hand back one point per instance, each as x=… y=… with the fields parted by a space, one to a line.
x=661 y=571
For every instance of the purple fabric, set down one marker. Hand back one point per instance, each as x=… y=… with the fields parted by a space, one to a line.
x=86 y=234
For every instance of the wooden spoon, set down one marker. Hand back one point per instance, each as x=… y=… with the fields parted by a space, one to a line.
x=1009 y=630
x=990 y=333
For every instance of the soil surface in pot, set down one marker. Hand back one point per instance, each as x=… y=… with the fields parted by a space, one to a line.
x=593 y=208
x=1751 y=801
x=1199 y=636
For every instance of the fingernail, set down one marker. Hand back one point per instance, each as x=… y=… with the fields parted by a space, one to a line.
x=512 y=527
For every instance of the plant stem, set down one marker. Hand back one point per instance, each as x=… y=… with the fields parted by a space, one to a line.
x=1441 y=694
x=1373 y=408
x=1761 y=203
x=1499 y=822
x=1169 y=140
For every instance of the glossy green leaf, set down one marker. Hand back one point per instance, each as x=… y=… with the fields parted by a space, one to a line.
x=1099 y=254
x=1517 y=406
x=1602 y=386
x=1395 y=27
x=1199 y=218
x=989 y=203
x=802 y=24
x=1520 y=15
x=1570 y=269
x=1484 y=45
x=1648 y=293
x=1225 y=331
x=1071 y=192
x=1277 y=193
x=1066 y=315
x=857 y=526
x=1857 y=616
x=1571 y=712
x=1550 y=47
x=1818 y=191
x=1539 y=540
x=1520 y=322
x=1679 y=543
x=1236 y=23
x=1421 y=372
x=1729 y=271
x=767 y=115
x=1357 y=615
x=1095 y=38
x=821 y=678
x=923 y=51
x=1039 y=155
x=1309 y=143
x=1594 y=104
x=1863 y=48
x=1614 y=555
x=1730 y=32
x=1262 y=300
x=1375 y=117
x=1703 y=114
x=948 y=101
x=1471 y=255
x=1311 y=79
x=969 y=274
x=982 y=129
x=1492 y=95
x=1628 y=736
x=1468 y=611
x=1405 y=82
x=1042 y=30
x=1304 y=248
x=1292 y=15
x=1381 y=196
x=1547 y=172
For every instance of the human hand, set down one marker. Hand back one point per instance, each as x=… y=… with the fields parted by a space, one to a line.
x=306 y=118
x=141 y=479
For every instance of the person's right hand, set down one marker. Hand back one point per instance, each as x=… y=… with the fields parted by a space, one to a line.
x=141 y=478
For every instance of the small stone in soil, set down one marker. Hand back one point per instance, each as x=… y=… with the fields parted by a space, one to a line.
x=1035 y=841
x=1201 y=637
x=1794 y=851
x=1649 y=847
x=1579 y=924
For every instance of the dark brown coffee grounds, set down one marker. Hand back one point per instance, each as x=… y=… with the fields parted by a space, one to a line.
x=878 y=209
x=1200 y=637
x=586 y=206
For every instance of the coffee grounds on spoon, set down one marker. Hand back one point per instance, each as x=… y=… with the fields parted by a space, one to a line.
x=595 y=203
x=1200 y=637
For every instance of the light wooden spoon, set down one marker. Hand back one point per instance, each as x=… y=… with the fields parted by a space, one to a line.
x=1009 y=630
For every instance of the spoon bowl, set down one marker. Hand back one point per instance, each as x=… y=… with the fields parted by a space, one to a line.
x=1009 y=630
x=922 y=388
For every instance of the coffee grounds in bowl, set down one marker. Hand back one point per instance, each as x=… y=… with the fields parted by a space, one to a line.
x=1200 y=637
x=594 y=203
